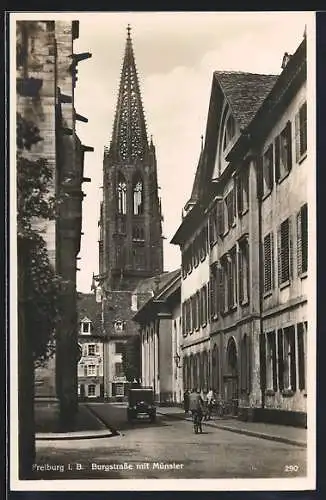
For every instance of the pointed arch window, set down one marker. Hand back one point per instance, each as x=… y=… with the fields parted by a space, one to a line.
x=122 y=195
x=138 y=197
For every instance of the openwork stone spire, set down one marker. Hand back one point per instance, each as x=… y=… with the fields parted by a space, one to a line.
x=129 y=138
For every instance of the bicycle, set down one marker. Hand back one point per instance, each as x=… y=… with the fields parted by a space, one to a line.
x=197 y=419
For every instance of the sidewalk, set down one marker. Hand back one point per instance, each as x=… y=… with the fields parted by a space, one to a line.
x=88 y=425
x=281 y=433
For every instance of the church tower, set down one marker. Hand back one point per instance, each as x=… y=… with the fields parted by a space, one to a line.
x=130 y=243
x=130 y=246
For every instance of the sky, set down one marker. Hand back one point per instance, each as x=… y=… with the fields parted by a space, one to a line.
x=176 y=54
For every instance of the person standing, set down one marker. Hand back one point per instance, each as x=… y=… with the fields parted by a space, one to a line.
x=186 y=401
x=210 y=403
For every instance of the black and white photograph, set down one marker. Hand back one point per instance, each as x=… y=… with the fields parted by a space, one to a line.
x=162 y=239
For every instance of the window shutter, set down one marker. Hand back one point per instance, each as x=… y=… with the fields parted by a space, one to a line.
x=293 y=358
x=240 y=264
x=262 y=355
x=297 y=136
x=220 y=217
x=272 y=260
x=271 y=166
x=299 y=244
x=289 y=144
x=221 y=290
x=248 y=364
x=279 y=256
x=277 y=158
x=97 y=348
x=290 y=237
x=304 y=235
x=85 y=350
x=301 y=356
x=280 y=359
x=274 y=361
x=239 y=194
x=303 y=128
x=211 y=229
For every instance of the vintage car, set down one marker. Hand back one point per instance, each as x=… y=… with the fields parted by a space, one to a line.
x=141 y=404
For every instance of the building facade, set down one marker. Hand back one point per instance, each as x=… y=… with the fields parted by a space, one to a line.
x=244 y=246
x=130 y=239
x=90 y=340
x=45 y=82
x=159 y=319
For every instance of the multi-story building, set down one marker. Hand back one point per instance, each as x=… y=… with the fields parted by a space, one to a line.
x=91 y=341
x=130 y=241
x=159 y=318
x=46 y=78
x=244 y=246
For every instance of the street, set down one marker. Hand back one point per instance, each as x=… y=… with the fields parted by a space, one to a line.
x=166 y=449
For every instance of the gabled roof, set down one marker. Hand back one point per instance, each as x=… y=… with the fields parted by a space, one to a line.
x=245 y=92
x=163 y=288
x=89 y=308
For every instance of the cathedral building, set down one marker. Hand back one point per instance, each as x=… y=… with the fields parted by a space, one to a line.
x=130 y=239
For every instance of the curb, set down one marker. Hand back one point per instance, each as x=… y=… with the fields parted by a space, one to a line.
x=261 y=435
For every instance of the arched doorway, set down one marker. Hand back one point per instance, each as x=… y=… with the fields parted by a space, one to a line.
x=231 y=377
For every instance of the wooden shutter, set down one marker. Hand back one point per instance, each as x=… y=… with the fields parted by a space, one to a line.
x=262 y=356
x=274 y=362
x=239 y=193
x=240 y=267
x=304 y=235
x=299 y=244
x=291 y=248
x=220 y=217
x=271 y=166
x=280 y=359
x=303 y=128
x=293 y=358
x=288 y=129
x=297 y=136
x=248 y=364
x=267 y=263
x=301 y=356
x=277 y=158
x=211 y=228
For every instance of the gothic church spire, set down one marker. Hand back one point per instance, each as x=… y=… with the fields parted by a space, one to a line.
x=129 y=138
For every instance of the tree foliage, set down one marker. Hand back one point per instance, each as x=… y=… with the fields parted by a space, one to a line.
x=131 y=359
x=41 y=283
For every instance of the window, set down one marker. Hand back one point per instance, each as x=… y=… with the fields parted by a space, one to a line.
x=122 y=195
x=301 y=132
x=119 y=256
x=204 y=305
x=197 y=316
x=91 y=390
x=220 y=217
x=229 y=131
x=268 y=170
x=119 y=370
x=184 y=326
x=138 y=233
x=86 y=326
x=243 y=191
x=302 y=341
x=213 y=292
x=244 y=278
x=289 y=361
x=139 y=256
x=119 y=347
x=193 y=312
x=91 y=370
x=230 y=208
x=271 y=370
x=231 y=283
x=268 y=263
x=283 y=153
x=91 y=349
x=138 y=207
x=134 y=304
x=119 y=325
x=284 y=252
x=302 y=240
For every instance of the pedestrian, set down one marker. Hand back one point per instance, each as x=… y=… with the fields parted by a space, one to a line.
x=186 y=401
x=210 y=403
